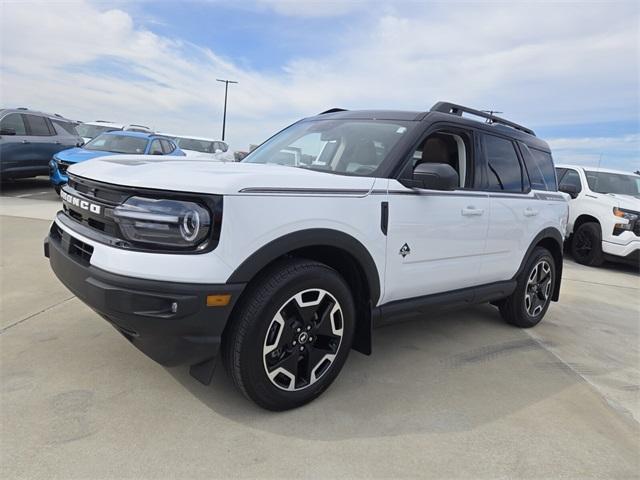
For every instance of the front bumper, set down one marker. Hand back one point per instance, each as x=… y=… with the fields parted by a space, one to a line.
x=170 y=322
x=630 y=249
x=56 y=176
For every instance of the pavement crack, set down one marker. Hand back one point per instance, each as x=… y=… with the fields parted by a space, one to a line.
x=18 y=322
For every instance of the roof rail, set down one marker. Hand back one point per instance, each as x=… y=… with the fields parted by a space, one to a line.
x=333 y=110
x=453 y=109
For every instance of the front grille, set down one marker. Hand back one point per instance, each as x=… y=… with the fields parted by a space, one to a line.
x=101 y=199
x=636 y=228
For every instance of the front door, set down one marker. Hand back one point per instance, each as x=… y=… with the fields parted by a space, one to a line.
x=436 y=239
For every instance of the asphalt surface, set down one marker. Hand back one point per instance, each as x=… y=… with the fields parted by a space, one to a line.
x=454 y=395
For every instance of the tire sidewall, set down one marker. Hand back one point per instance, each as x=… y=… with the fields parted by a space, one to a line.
x=255 y=378
x=538 y=254
x=593 y=230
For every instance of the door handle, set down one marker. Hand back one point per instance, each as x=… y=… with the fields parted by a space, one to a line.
x=472 y=211
x=530 y=212
x=25 y=141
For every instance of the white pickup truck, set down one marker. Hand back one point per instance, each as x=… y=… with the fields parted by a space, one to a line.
x=604 y=214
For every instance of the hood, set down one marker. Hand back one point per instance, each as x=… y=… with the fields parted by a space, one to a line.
x=204 y=176
x=75 y=155
x=629 y=202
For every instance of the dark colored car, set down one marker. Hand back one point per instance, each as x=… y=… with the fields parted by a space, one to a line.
x=29 y=139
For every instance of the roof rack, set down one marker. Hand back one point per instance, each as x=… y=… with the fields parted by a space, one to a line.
x=333 y=110
x=453 y=109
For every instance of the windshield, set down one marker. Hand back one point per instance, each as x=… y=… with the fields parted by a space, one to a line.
x=203 y=146
x=353 y=147
x=110 y=142
x=92 y=131
x=603 y=182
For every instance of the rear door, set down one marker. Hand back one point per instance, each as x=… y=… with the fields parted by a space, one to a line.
x=513 y=209
x=43 y=142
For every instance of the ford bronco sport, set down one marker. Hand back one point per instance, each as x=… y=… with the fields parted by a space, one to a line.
x=285 y=261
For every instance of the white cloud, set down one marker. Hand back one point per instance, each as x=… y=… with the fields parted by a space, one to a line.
x=621 y=152
x=543 y=64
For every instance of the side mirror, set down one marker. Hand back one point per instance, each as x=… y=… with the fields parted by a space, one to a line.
x=218 y=150
x=433 y=176
x=572 y=190
x=7 y=131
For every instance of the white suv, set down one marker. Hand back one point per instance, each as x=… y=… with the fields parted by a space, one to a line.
x=604 y=214
x=285 y=261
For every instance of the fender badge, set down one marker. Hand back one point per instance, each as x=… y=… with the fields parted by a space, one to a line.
x=405 y=250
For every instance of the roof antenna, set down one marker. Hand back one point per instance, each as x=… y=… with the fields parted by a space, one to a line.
x=490 y=112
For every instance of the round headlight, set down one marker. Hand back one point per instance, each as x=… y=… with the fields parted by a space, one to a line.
x=190 y=226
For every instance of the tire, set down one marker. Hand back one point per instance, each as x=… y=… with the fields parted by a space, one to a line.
x=57 y=188
x=282 y=354
x=530 y=300
x=586 y=245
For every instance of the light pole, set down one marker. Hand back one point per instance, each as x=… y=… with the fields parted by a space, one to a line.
x=224 y=115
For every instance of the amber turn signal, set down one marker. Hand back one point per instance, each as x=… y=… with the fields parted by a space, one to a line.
x=218 y=300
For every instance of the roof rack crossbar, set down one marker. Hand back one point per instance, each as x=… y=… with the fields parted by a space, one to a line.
x=453 y=109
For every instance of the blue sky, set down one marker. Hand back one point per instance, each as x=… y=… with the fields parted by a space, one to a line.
x=567 y=69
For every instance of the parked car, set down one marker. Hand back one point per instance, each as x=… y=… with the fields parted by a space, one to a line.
x=28 y=140
x=90 y=130
x=200 y=147
x=604 y=214
x=285 y=261
x=110 y=143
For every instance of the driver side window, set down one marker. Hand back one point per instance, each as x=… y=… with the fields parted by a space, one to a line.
x=448 y=147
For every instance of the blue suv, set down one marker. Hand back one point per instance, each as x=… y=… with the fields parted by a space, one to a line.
x=110 y=143
x=28 y=140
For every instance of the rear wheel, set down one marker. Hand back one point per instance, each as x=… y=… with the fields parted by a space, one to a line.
x=586 y=245
x=291 y=335
x=530 y=300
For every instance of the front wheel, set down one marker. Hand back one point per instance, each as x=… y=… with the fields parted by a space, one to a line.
x=57 y=188
x=291 y=335
x=530 y=300
x=586 y=245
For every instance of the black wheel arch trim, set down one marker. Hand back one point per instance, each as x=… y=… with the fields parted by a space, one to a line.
x=315 y=237
x=555 y=235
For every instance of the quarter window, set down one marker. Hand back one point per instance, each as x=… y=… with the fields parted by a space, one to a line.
x=38 y=126
x=539 y=166
x=15 y=122
x=504 y=170
x=66 y=127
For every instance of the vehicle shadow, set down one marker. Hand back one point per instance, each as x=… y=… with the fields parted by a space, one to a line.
x=449 y=372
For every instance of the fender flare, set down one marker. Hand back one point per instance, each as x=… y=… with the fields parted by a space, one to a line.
x=555 y=235
x=314 y=237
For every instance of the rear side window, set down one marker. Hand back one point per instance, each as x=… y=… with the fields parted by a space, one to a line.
x=15 y=122
x=539 y=166
x=503 y=167
x=156 y=148
x=38 y=126
x=167 y=146
x=65 y=127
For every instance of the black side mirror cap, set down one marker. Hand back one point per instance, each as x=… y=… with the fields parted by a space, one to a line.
x=571 y=190
x=433 y=176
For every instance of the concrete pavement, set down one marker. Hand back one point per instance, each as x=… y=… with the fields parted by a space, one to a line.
x=458 y=395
